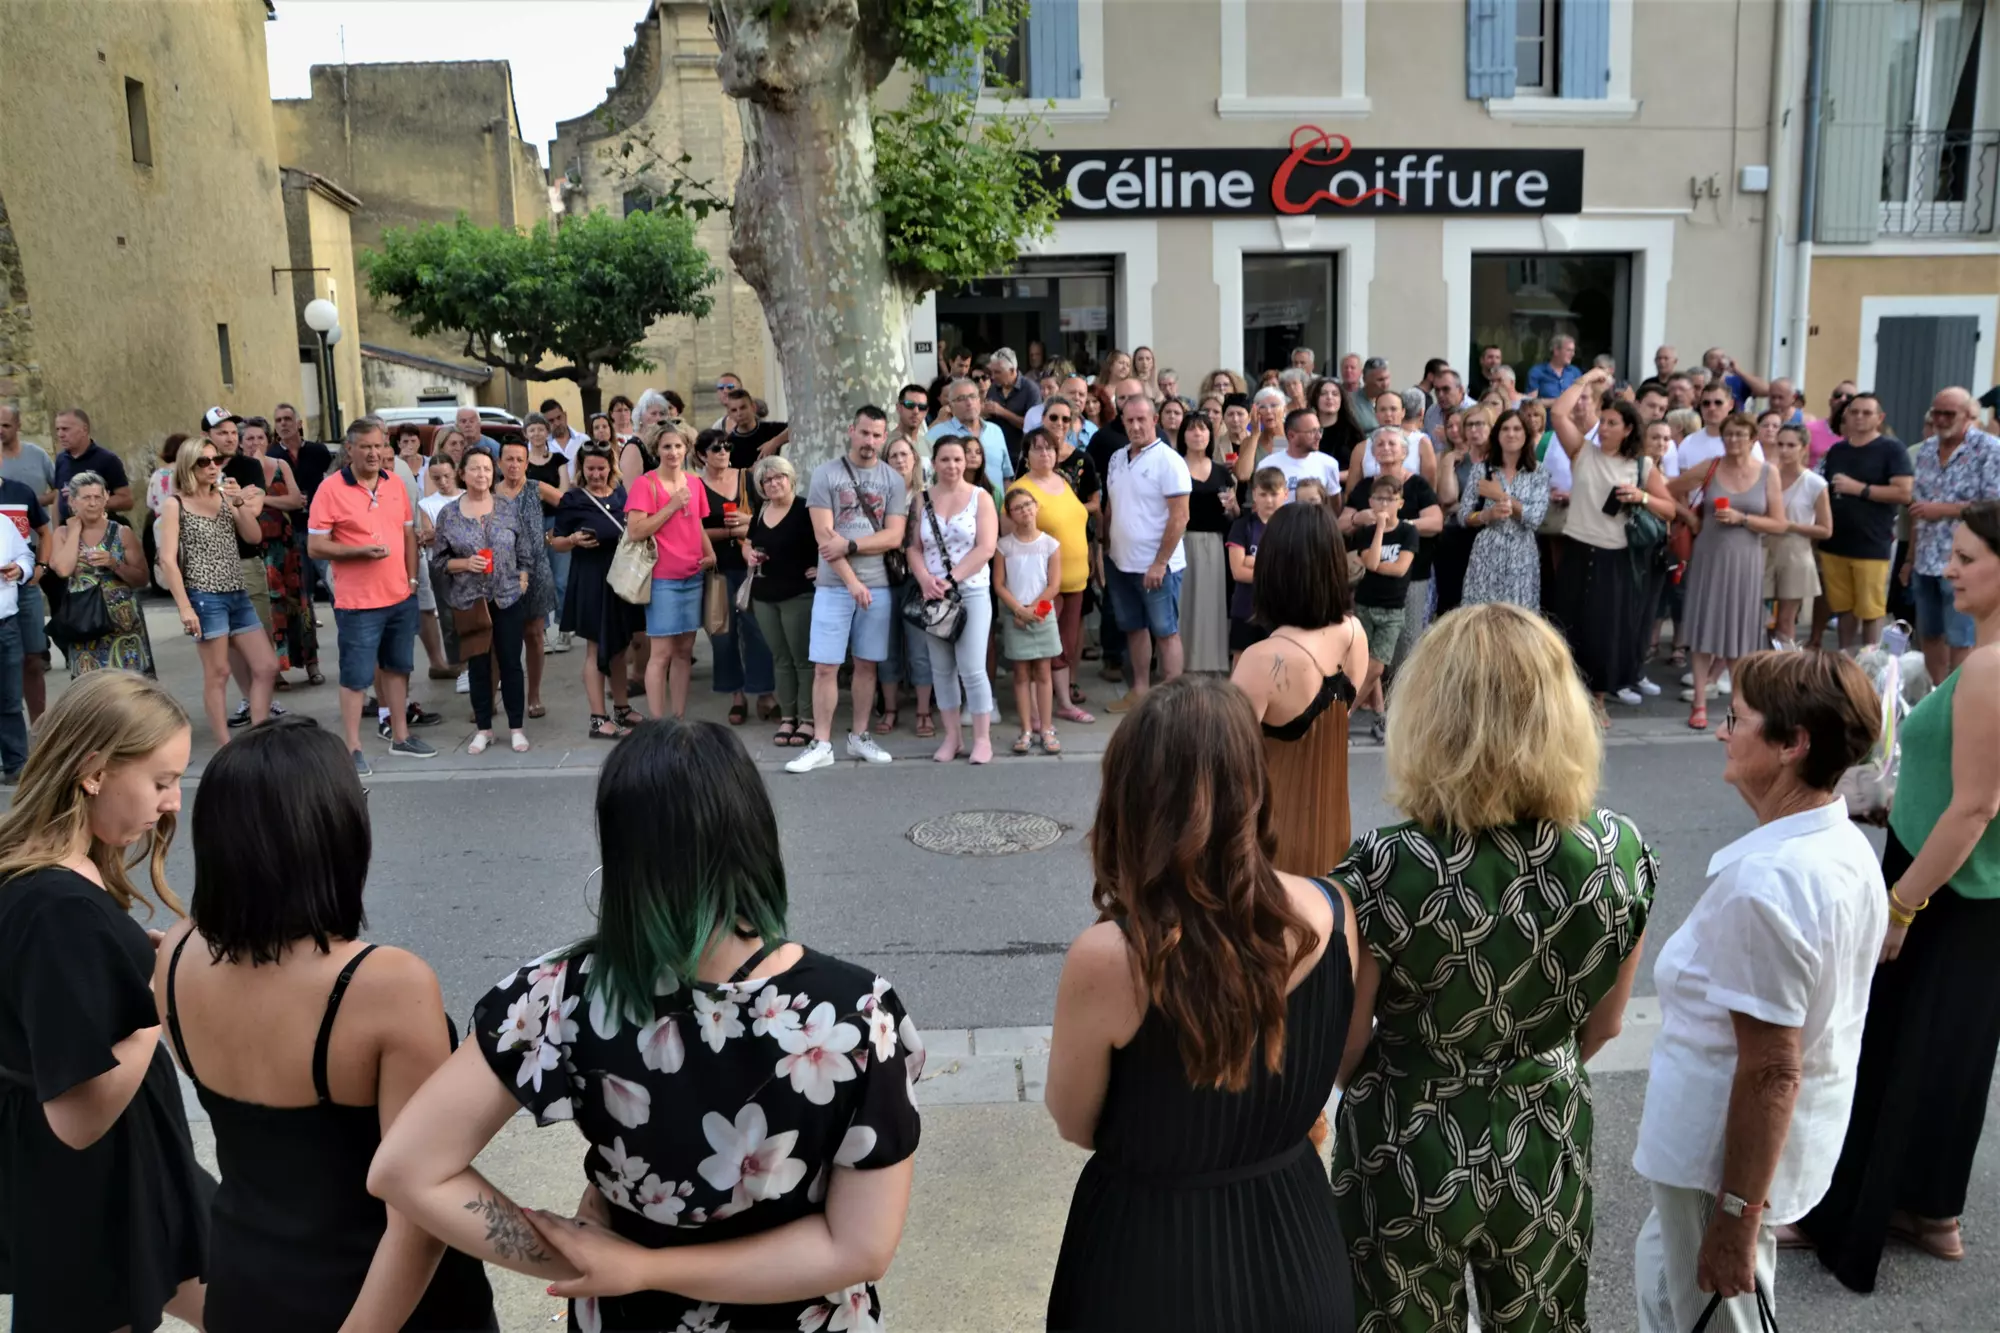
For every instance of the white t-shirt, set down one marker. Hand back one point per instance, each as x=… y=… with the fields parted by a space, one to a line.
x=1802 y=498
x=1139 y=490
x=1698 y=451
x=1318 y=466
x=1787 y=932
x=1028 y=565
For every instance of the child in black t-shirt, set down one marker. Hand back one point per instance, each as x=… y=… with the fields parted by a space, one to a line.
x=1388 y=547
x=1267 y=493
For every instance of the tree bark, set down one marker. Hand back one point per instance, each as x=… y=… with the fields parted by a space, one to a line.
x=805 y=230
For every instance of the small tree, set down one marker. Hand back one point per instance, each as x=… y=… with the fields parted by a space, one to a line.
x=583 y=294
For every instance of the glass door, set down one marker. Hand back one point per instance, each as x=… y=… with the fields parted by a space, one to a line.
x=1520 y=303
x=1287 y=303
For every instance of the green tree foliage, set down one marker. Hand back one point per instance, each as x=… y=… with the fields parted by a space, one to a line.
x=582 y=295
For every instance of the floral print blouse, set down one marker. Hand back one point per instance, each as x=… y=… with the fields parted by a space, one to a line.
x=719 y=1114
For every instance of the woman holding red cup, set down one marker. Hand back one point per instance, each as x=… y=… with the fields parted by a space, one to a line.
x=742 y=659
x=485 y=593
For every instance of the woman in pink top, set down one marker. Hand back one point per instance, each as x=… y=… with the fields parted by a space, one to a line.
x=665 y=506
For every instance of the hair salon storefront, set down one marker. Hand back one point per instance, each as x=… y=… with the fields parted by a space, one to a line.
x=1235 y=256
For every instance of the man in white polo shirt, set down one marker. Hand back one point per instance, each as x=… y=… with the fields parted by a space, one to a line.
x=1302 y=459
x=1146 y=501
x=1704 y=446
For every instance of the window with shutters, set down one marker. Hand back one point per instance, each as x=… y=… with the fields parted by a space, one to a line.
x=1008 y=71
x=1535 y=48
x=1551 y=61
x=1053 y=68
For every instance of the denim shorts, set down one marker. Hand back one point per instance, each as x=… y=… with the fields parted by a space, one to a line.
x=379 y=636
x=675 y=608
x=1134 y=607
x=1937 y=617
x=225 y=613
x=841 y=625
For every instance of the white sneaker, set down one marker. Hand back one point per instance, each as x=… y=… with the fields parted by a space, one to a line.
x=1629 y=697
x=1687 y=679
x=1687 y=695
x=1647 y=687
x=1722 y=683
x=464 y=685
x=554 y=641
x=818 y=755
x=863 y=746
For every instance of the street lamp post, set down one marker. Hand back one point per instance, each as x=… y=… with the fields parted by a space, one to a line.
x=323 y=318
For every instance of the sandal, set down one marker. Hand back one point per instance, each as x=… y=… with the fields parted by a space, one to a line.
x=602 y=728
x=537 y=710
x=628 y=717
x=738 y=714
x=313 y=676
x=786 y=729
x=926 y=728
x=1070 y=713
x=1050 y=745
x=1023 y=745
x=479 y=742
x=1939 y=1239
x=885 y=722
x=1076 y=695
x=1698 y=718
x=1679 y=660
x=767 y=709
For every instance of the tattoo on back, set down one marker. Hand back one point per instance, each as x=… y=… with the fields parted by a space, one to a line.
x=508 y=1232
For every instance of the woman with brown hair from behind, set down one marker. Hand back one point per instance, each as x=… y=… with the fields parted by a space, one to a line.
x=1199 y=1027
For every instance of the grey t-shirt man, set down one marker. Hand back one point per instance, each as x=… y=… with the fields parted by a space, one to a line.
x=32 y=467
x=861 y=500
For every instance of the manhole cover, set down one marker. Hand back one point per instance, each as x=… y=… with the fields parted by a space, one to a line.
x=986 y=833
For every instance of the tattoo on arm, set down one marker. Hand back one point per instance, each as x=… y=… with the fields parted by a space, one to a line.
x=1277 y=671
x=507 y=1231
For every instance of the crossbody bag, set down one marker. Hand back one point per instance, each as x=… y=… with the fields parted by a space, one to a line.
x=943 y=617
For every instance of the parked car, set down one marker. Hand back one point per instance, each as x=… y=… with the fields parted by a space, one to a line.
x=496 y=423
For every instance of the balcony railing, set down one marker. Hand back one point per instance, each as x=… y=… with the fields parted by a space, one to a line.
x=1940 y=182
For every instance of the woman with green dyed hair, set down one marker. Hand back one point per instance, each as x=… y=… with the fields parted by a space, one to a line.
x=733 y=1086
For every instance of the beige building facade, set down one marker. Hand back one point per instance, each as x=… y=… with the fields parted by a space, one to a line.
x=667 y=100
x=419 y=143
x=318 y=221
x=141 y=221
x=1665 y=141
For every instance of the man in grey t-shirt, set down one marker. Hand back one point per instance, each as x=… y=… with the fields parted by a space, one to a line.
x=858 y=504
x=26 y=463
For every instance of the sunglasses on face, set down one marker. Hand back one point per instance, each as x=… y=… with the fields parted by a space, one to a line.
x=208 y=460
x=724 y=387
x=909 y=406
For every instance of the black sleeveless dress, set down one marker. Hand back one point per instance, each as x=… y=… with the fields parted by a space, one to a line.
x=294 y=1228
x=1206 y=1210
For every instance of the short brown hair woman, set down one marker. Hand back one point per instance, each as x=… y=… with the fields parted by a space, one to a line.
x=1927 y=1052
x=1197 y=1033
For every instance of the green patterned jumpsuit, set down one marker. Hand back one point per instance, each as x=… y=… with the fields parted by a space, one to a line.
x=1465 y=1133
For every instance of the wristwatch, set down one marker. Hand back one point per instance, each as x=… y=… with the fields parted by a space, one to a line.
x=1737 y=1206
x=851 y=548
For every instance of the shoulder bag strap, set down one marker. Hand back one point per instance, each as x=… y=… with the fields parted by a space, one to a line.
x=865 y=511
x=602 y=506
x=937 y=535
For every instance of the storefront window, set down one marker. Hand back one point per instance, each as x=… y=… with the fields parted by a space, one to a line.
x=1287 y=303
x=1065 y=305
x=1521 y=302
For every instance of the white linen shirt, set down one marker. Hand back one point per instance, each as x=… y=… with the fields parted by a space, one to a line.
x=1139 y=490
x=1788 y=932
x=1317 y=466
x=13 y=551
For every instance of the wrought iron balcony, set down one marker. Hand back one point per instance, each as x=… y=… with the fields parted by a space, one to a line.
x=1940 y=182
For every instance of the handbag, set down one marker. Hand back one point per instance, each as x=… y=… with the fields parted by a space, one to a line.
x=718 y=613
x=1680 y=542
x=80 y=617
x=942 y=617
x=474 y=627
x=895 y=565
x=631 y=575
x=1767 y=1321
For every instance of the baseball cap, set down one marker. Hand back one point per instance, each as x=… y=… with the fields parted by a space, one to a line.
x=215 y=416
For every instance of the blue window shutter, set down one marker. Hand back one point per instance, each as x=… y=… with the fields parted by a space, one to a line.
x=962 y=79
x=1489 y=48
x=1055 y=60
x=1583 y=65
x=1854 y=120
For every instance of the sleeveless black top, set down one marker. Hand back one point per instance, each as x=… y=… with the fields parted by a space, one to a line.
x=1204 y=1209
x=294 y=1228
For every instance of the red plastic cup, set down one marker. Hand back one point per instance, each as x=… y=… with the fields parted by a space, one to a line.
x=486 y=554
x=1043 y=607
x=1229 y=458
x=729 y=508
x=1721 y=502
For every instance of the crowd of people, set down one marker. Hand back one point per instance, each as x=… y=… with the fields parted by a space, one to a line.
x=1483 y=571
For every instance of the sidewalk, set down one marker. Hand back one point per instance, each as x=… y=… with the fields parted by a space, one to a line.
x=562 y=748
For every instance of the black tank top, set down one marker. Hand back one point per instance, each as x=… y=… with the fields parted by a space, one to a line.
x=1332 y=689
x=294 y=1228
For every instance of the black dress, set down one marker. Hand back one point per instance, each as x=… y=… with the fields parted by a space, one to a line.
x=589 y=608
x=97 y=1239
x=294 y=1225
x=1206 y=1210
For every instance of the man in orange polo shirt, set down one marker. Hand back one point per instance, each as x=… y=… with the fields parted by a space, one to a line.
x=362 y=526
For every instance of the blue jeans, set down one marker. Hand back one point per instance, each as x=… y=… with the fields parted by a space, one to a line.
x=13 y=718
x=1938 y=617
x=742 y=658
x=559 y=566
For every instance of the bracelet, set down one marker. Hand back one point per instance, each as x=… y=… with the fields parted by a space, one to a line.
x=1897 y=902
x=1901 y=920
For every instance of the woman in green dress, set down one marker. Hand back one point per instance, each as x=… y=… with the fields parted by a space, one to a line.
x=94 y=550
x=1502 y=925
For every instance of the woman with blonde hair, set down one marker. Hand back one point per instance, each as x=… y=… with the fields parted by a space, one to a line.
x=1198 y=1030
x=103 y=1209
x=1489 y=998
